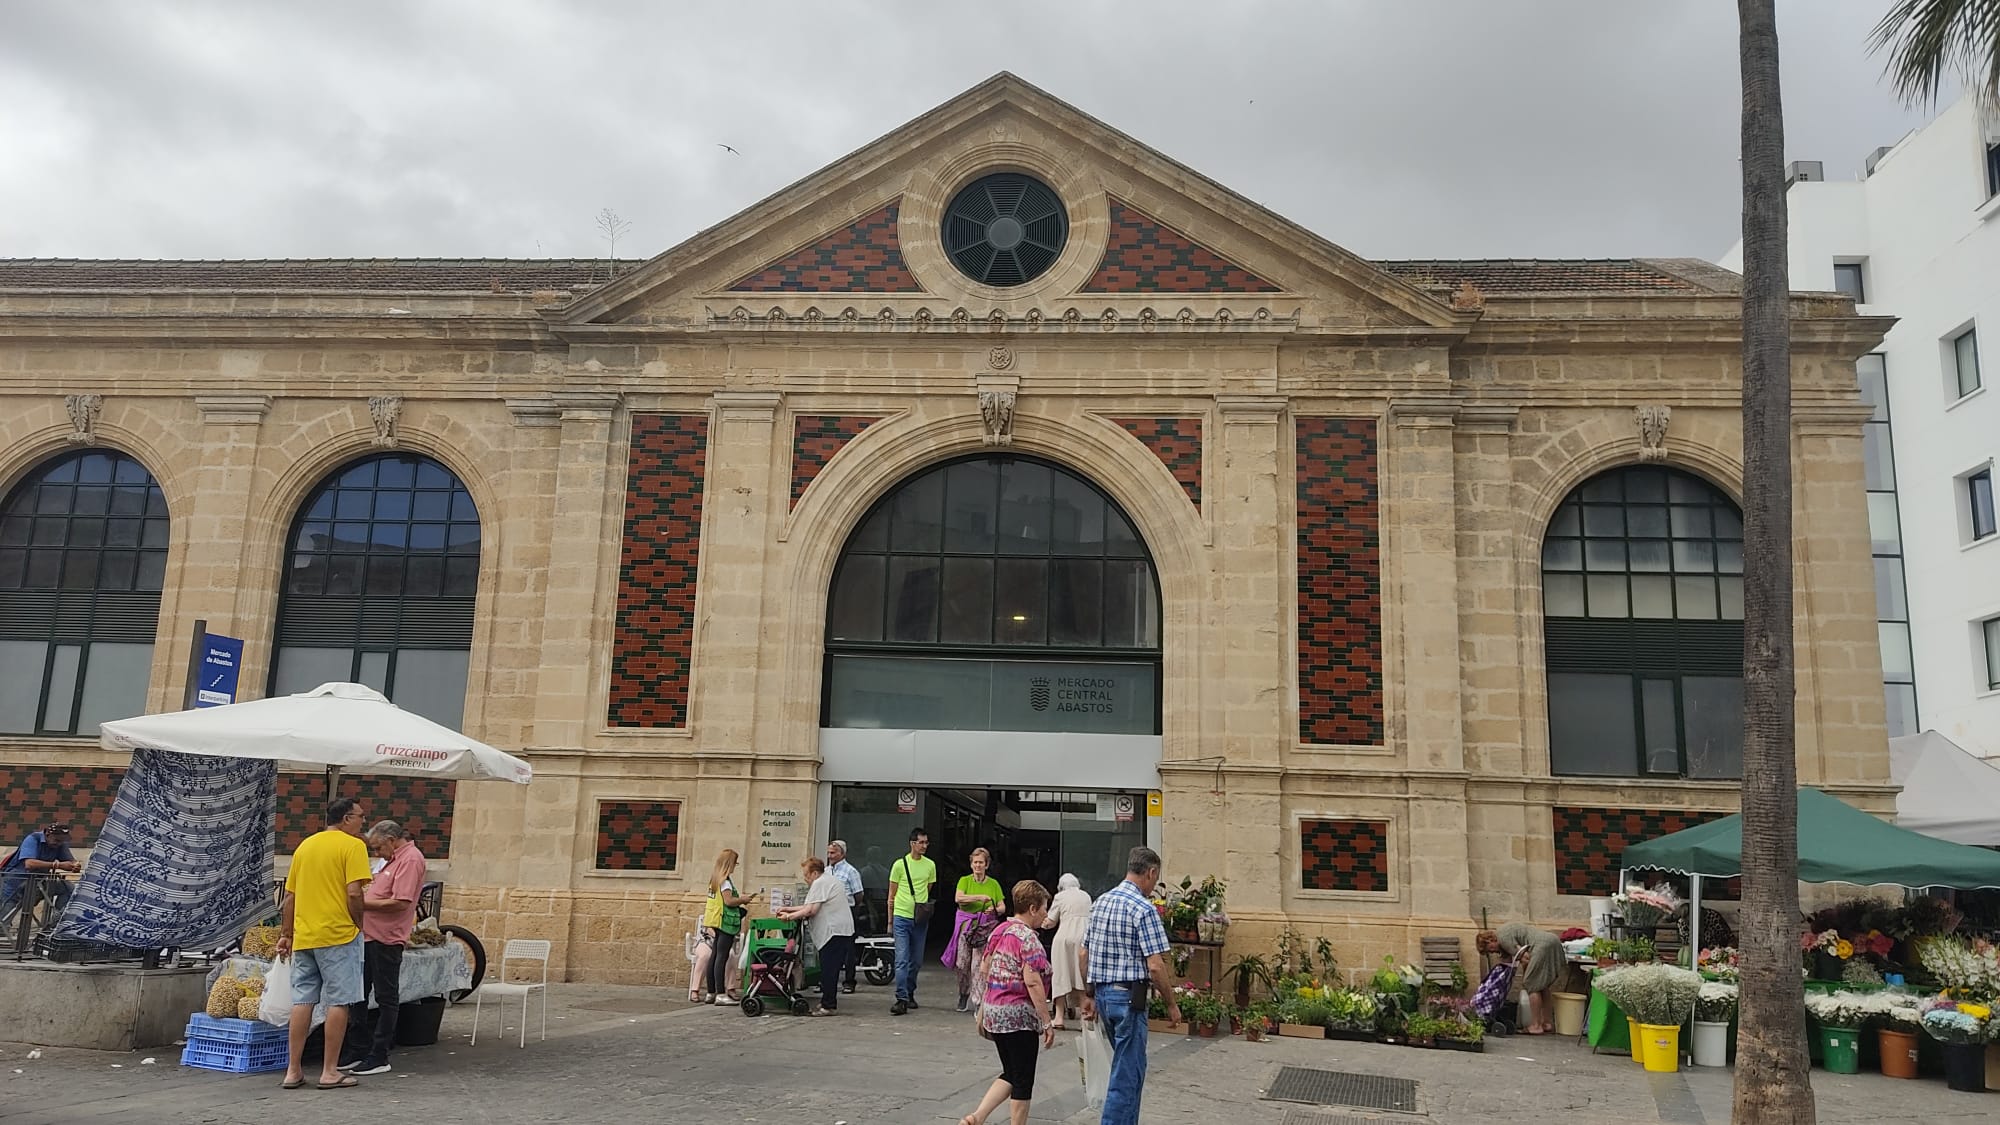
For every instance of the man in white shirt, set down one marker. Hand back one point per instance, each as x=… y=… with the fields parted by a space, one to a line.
x=838 y=867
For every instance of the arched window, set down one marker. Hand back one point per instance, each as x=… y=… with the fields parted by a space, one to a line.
x=379 y=586
x=995 y=593
x=1642 y=596
x=83 y=549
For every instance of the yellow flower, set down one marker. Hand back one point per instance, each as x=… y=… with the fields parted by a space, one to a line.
x=1843 y=949
x=1976 y=1011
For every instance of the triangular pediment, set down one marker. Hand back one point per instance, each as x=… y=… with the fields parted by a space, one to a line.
x=1148 y=242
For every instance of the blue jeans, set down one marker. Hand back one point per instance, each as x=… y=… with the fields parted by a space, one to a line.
x=910 y=937
x=1126 y=1025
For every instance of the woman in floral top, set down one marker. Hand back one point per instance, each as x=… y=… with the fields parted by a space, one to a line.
x=1014 y=1007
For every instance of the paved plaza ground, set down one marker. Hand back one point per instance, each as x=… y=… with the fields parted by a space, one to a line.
x=642 y=1055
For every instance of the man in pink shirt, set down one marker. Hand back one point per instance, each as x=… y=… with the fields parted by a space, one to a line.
x=388 y=912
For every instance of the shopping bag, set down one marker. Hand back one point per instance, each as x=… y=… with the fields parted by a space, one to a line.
x=276 y=1006
x=1093 y=1057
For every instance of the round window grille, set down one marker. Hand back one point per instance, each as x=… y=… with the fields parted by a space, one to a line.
x=1005 y=229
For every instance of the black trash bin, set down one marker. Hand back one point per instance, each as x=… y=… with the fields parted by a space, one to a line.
x=417 y=1022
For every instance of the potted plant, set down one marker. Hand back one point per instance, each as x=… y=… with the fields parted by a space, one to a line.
x=1302 y=1018
x=1203 y=1009
x=1421 y=1030
x=1461 y=1033
x=1714 y=1011
x=1247 y=970
x=1896 y=1035
x=1256 y=1020
x=1656 y=998
x=1156 y=1017
x=1822 y=951
x=1840 y=1016
x=1352 y=1014
x=1960 y=1029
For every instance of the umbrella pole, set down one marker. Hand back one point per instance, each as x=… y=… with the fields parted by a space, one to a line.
x=332 y=783
x=1694 y=922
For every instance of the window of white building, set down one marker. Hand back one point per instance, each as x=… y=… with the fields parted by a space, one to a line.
x=1989 y=631
x=1965 y=362
x=1847 y=279
x=1976 y=504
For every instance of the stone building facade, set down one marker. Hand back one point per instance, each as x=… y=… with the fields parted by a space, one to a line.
x=604 y=522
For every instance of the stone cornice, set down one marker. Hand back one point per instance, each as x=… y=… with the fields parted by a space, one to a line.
x=1851 y=335
x=508 y=333
x=746 y=406
x=1251 y=410
x=232 y=410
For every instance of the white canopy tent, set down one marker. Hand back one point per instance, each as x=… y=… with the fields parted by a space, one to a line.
x=1947 y=792
x=334 y=726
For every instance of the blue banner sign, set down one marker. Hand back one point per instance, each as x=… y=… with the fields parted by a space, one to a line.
x=220 y=659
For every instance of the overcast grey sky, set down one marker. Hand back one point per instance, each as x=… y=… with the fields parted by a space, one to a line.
x=1397 y=128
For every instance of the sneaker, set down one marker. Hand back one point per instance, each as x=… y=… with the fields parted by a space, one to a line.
x=848 y=988
x=912 y=1002
x=900 y=1007
x=724 y=1002
x=964 y=1002
x=348 y=1067
x=365 y=1068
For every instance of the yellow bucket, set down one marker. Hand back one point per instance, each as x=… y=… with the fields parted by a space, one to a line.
x=1632 y=1037
x=1662 y=1051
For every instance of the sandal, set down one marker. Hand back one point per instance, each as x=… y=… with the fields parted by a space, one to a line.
x=292 y=1084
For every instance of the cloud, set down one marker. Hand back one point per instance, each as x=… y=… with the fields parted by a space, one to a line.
x=455 y=128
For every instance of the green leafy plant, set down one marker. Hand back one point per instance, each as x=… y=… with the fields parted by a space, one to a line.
x=1329 y=965
x=1292 y=959
x=1246 y=971
x=1424 y=1028
x=1351 y=1011
x=1857 y=971
x=1465 y=1030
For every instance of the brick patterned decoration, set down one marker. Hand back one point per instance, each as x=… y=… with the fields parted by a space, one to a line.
x=865 y=256
x=421 y=804
x=1177 y=443
x=1340 y=582
x=816 y=438
x=1144 y=255
x=1344 y=855
x=36 y=795
x=638 y=835
x=653 y=642
x=1589 y=842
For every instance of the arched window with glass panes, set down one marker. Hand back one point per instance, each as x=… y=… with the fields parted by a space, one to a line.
x=380 y=582
x=83 y=550
x=995 y=593
x=1642 y=601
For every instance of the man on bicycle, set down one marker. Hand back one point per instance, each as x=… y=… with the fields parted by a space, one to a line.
x=45 y=852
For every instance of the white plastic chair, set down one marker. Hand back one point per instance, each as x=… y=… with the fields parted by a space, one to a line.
x=525 y=950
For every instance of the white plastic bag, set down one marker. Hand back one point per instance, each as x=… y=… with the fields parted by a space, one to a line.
x=275 y=1007
x=1093 y=1057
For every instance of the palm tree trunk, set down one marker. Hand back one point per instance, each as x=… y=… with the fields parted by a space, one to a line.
x=1772 y=1084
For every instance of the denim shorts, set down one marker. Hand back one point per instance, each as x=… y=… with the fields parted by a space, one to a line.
x=331 y=974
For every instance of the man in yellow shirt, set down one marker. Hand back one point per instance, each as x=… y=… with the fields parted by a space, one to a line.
x=910 y=880
x=321 y=932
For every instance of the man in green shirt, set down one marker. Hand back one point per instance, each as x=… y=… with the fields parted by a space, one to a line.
x=910 y=880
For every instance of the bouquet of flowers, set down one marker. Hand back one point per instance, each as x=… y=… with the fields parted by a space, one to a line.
x=1955 y=1024
x=1859 y=971
x=1826 y=941
x=1969 y=970
x=1716 y=1002
x=1644 y=909
x=1720 y=962
x=1836 y=1009
x=1653 y=994
x=1903 y=1011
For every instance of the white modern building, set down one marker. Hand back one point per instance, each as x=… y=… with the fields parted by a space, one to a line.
x=1917 y=237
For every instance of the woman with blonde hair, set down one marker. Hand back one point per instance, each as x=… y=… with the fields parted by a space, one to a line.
x=981 y=904
x=722 y=920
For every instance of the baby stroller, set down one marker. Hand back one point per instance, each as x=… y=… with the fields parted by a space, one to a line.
x=773 y=974
x=1489 y=1000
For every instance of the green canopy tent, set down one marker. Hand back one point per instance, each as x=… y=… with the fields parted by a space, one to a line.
x=1838 y=843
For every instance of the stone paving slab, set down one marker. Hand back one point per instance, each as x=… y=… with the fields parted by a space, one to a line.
x=641 y=1054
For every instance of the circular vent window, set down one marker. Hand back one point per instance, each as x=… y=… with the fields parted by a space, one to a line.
x=1005 y=229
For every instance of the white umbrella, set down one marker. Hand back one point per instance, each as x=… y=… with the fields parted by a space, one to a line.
x=335 y=726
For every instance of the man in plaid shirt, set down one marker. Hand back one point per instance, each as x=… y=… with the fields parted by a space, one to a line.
x=1123 y=950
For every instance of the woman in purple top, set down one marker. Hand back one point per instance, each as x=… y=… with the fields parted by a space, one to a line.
x=1014 y=1005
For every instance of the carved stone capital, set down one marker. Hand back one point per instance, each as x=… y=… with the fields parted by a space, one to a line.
x=83 y=411
x=996 y=414
x=1423 y=413
x=233 y=410
x=385 y=411
x=537 y=411
x=1250 y=410
x=746 y=406
x=1653 y=421
x=586 y=406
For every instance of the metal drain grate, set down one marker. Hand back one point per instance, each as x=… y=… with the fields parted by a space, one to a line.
x=1335 y=1087
x=1309 y=1117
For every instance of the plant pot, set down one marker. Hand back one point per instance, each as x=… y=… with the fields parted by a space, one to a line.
x=1965 y=1067
x=1899 y=1052
x=1468 y=1045
x=1632 y=1038
x=1301 y=1031
x=1350 y=1035
x=1710 y=1043
x=1254 y=1034
x=1419 y=1041
x=1661 y=1047
x=1841 y=1048
x=1571 y=1007
x=1825 y=966
x=1205 y=1030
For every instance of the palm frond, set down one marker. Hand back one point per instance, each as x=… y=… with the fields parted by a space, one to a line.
x=1930 y=40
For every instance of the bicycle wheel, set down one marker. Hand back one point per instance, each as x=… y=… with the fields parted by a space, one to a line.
x=474 y=952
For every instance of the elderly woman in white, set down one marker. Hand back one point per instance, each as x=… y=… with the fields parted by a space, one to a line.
x=1070 y=915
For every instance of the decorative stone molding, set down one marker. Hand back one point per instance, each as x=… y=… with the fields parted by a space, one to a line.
x=746 y=406
x=1250 y=410
x=1487 y=419
x=1000 y=357
x=385 y=410
x=541 y=411
x=83 y=411
x=1113 y=319
x=1653 y=421
x=1423 y=413
x=232 y=410
x=586 y=406
x=997 y=395
x=1468 y=298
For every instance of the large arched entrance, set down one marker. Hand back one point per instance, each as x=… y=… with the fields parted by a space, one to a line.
x=992 y=673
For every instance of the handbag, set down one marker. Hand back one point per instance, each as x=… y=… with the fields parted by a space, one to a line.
x=920 y=910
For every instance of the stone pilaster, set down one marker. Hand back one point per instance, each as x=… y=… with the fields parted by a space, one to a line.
x=1422 y=539
x=218 y=531
x=744 y=494
x=1837 y=649
x=583 y=544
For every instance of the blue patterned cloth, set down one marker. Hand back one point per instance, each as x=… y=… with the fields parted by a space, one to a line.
x=1125 y=929
x=183 y=860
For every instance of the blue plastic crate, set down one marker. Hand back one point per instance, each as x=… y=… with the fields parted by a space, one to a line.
x=236 y=1058
x=201 y=1025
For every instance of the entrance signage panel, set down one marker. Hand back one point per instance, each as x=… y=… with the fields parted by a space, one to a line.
x=221 y=658
x=975 y=759
x=930 y=693
x=778 y=849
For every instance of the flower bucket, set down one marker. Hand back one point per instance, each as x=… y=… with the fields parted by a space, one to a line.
x=1710 y=1043
x=1965 y=1067
x=1570 y=1010
x=1841 y=1048
x=1899 y=1052
x=1632 y=1037
x=1993 y=1066
x=1662 y=1047
x=1826 y=966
